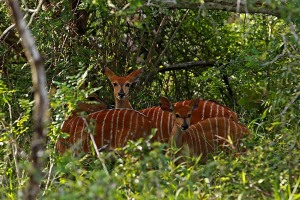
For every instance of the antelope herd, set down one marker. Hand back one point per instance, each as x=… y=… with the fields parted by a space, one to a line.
x=197 y=127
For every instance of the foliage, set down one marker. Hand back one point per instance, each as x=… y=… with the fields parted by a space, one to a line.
x=255 y=72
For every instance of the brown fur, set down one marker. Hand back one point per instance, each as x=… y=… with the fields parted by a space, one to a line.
x=109 y=127
x=121 y=85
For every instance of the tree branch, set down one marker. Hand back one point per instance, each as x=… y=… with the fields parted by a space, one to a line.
x=40 y=117
x=187 y=65
x=242 y=6
x=162 y=24
x=171 y=39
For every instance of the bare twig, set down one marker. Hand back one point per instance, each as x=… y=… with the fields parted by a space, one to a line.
x=155 y=69
x=161 y=25
x=98 y=154
x=34 y=12
x=296 y=187
x=284 y=51
x=171 y=39
x=289 y=104
x=187 y=65
x=6 y=31
x=13 y=144
x=40 y=117
x=180 y=66
x=293 y=31
x=49 y=176
x=96 y=148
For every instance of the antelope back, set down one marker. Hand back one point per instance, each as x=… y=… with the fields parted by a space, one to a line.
x=208 y=109
x=93 y=104
x=117 y=127
x=90 y=107
x=109 y=127
x=77 y=137
x=75 y=121
x=209 y=135
x=162 y=120
x=121 y=85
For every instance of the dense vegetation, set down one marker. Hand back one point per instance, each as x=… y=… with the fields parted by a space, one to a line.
x=249 y=62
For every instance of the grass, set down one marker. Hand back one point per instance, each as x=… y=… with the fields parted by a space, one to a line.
x=269 y=169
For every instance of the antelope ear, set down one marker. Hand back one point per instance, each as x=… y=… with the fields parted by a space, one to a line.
x=109 y=73
x=166 y=104
x=194 y=103
x=135 y=75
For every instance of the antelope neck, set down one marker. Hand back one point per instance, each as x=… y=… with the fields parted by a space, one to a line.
x=123 y=103
x=176 y=136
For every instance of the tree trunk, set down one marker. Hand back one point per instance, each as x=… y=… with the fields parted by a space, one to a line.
x=40 y=117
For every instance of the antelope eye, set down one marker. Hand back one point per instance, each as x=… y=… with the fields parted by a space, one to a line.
x=115 y=84
x=127 y=84
x=177 y=116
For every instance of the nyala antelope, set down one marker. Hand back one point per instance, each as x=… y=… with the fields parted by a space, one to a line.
x=164 y=121
x=204 y=137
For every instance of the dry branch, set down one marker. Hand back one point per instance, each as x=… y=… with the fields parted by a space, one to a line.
x=187 y=65
x=239 y=6
x=171 y=39
x=40 y=117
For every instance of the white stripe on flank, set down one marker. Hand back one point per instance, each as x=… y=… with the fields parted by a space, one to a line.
x=204 y=138
x=211 y=128
x=225 y=130
x=102 y=128
x=70 y=125
x=217 y=131
x=66 y=123
x=146 y=112
x=122 y=129
x=211 y=109
x=223 y=111
x=229 y=127
x=217 y=114
x=191 y=138
x=203 y=109
x=235 y=125
x=74 y=127
x=82 y=131
x=129 y=130
x=136 y=126
x=117 y=125
x=143 y=122
x=75 y=130
x=188 y=136
x=155 y=115
x=195 y=142
x=161 y=123
x=112 y=127
x=170 y=121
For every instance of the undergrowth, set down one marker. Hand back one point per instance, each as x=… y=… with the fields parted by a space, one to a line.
x=268 y=169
